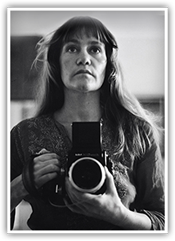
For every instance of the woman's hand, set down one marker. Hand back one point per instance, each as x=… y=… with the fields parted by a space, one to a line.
x=104 y=206
x=46 y=167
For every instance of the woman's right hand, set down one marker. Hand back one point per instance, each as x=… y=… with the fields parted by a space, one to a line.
x=46 y=167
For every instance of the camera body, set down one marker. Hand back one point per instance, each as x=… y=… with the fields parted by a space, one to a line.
x=86 y=160
x=85 y=164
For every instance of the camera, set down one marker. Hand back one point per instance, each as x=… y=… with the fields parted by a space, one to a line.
x=85 y=164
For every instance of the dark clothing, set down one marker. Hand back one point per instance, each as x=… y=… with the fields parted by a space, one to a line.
x=139 y=182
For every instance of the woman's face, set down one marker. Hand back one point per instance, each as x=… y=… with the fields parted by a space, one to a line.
x=83 y=64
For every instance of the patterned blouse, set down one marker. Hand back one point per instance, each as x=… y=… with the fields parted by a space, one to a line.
x=139 y=182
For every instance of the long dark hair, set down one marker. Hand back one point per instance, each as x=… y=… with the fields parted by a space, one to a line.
x=134 y=126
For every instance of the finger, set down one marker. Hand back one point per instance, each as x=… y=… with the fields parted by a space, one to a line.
x=110 y=185
x=78 y=206
x=72 y=207
x=70 y=190
x=80 y=197
x=46 y=157
x=39 y=165
x=45 y=178
x=50 y=168
x=74 y=195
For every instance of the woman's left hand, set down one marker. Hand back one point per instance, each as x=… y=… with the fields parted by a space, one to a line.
x=107 y=206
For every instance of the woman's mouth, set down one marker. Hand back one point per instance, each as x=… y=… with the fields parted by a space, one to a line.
x=84 y=72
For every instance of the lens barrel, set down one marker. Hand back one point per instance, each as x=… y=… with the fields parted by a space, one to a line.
x=87 y=174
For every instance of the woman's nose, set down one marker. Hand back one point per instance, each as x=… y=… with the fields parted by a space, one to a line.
x=83 y=59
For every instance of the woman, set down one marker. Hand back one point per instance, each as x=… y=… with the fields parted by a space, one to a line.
x=81 y=82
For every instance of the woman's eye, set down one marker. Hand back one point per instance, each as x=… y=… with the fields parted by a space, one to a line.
x=72 y=49
x=95 y=50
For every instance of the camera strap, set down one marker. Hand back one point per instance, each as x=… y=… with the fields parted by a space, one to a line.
x=28 y=179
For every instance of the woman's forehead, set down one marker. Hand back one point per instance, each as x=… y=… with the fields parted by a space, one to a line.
x=81 y=34
x=84 y=39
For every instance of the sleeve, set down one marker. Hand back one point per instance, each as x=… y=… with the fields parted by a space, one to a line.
x=150 y=187
x=16 y=165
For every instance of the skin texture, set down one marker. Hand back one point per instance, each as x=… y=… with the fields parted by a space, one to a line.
x=83 y=64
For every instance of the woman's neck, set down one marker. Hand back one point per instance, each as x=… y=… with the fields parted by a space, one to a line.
x=79 y=106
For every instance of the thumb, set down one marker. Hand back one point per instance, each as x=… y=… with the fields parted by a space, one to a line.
x=110 y=185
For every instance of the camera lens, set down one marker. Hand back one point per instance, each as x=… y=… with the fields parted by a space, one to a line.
x=87 y=174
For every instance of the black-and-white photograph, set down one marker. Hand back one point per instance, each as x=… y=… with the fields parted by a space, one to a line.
x=87 y=120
